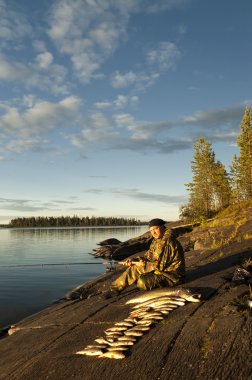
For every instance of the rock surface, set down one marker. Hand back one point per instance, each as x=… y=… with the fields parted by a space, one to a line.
x=207 y=340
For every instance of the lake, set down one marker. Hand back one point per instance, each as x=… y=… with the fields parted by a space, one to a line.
x=26 y=290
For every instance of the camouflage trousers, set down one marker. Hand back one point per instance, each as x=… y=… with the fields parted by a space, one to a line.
x=146 y=277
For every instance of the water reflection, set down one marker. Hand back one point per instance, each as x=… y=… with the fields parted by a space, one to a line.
x=24 y=291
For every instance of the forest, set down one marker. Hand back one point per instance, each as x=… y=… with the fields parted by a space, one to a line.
x=75 y=221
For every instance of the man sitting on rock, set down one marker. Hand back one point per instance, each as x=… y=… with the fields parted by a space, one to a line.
x=161 y=266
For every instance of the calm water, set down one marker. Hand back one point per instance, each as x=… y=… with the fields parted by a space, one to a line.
x=24 y=291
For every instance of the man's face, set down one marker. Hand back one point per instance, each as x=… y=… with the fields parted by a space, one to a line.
x=157 y=232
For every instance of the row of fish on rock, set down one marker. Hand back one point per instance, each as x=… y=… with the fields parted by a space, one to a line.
x=149 y=309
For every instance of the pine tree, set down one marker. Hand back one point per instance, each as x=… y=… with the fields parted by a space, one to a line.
x=201 y=188
x=241 y=168
x=222 y=188
x=209 y=189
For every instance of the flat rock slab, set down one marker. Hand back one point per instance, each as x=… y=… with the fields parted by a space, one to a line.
x=206 y=340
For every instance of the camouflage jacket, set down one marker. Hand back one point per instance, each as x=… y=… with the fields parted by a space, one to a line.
x=167 y=255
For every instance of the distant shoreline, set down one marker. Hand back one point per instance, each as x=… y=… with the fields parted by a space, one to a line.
x=67 y=227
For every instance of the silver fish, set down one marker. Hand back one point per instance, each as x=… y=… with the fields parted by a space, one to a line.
x=101 y=340
x=116 y=329
x=179 y=292
x=141 y=328
x=124 y=323
x=130 y=319
x=128 y=342
x=133 y=333
x=126 y=338
x=153 y=314
x=145 y=322
x=165 y=311
x=113 y=355
x=118 y=348
x=169 y=306
x=112 y=336
x=90 y=352
x=159 y=301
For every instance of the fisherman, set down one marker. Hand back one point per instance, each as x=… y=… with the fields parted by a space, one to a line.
x=163 y=265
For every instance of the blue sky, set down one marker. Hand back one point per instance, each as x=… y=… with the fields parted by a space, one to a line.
x=101 y=101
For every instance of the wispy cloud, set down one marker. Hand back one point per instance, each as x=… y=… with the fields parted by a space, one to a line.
x=164 y=56
x=124 y=132
x=23 y=205
x=157 y=60
x=88 y=31
x=140 y=80
x=36 y=116
x=13 y=24
x=121 y=101
x=141 y=196
x=37 y=206
x=41 y=74
x=163 y=5
x=23 y=126
x=28 y=127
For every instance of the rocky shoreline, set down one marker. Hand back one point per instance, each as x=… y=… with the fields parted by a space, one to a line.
x=206 y=340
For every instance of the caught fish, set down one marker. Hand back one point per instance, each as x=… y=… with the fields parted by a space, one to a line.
x=165 y=311
x=133 y=333
x=118 y=348
x=130 y=319
x=159 y=301
x=113 y=355
x=145 y=322
x=116 y=329
x=128 y=342
x=96 y=346
x=101 y=341
x=90 y=352
x=126 y=338
x=113 y=334
x=154 y=315
x=178 y=292
x=141 y=328
x=124 y=323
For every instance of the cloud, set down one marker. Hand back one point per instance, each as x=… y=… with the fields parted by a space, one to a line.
x=164 y=56
x=123 y=132
x=32 y=205
x=158 y=60
x=121 y=101
x=164 y=5
x=44 y=60
x=140 y=80
x=13 y=25
x=23 y=126
x=23 y=205
x=38 y=116
x=30 y=75
x=141 y=196
x=88 y=31
x=98 y=130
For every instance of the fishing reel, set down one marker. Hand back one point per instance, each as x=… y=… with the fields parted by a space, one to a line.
x=111 y=267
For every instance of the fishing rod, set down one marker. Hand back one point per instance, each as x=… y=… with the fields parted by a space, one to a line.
x=55 y=264
x=111 y=263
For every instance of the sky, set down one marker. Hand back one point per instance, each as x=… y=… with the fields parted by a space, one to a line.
x=102 y=101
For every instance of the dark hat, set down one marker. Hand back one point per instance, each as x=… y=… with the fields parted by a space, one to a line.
x=156 y=222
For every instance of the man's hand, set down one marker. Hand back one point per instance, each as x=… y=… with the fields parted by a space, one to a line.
x=130 y=262
x=126 y=263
